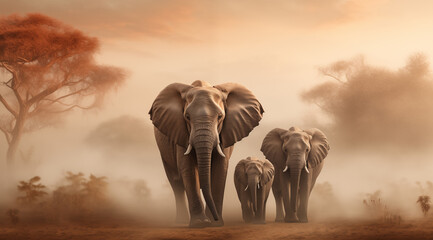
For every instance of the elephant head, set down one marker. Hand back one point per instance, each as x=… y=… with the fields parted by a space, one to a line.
x=254 y=174
x=202 y=118
x=295 y=150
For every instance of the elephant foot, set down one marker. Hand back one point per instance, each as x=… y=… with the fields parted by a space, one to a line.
x=279 y=219
x=218 y=223
x=303 y=220
x=200 y=222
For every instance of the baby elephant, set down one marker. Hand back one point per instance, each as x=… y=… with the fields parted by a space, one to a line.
x=253 y=181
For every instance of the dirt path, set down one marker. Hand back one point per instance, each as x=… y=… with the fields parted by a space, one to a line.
x=335 y=231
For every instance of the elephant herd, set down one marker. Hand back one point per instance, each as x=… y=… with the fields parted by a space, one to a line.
x=196 y=127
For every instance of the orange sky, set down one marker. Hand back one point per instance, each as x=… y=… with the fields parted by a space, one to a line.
x=255 y=43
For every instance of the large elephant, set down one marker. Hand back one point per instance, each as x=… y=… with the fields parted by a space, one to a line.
x=196 y=127
x=297 y=156
x=253 y=181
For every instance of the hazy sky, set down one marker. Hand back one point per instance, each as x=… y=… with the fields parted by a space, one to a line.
x=272 y=47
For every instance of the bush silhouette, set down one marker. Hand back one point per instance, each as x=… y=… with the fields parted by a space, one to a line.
x=32 y=190
x=424 y=203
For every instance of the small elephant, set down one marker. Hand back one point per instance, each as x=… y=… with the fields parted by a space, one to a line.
x=196 y=127
x=297 y=156
x=256 y=175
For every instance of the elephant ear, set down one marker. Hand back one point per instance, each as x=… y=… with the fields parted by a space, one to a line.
x=272 y=147
x=319 y=147
x=241 y=172
x=268 y=172
x=243 y=113
x=166 y=113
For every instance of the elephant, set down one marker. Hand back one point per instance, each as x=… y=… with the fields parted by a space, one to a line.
x=298 y=157
x=195 y=129
x=257 y=175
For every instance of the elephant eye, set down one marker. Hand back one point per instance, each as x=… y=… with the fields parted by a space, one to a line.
x=220 y=116
x=187 y=117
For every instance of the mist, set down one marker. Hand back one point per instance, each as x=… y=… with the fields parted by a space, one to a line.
x=374 y=108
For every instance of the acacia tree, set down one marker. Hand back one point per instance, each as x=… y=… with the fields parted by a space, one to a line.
x=374 y=106
x=46 y=68
x=32 y=191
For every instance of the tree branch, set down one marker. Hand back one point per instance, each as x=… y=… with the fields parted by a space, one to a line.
x=14 y=87
x=7 y=83
x=334 y=77
x=72 y=107
x=75 y=82
x=43 y=94
x=67 y=95
x=7 y=106
x=38 y=97
x=23 y=59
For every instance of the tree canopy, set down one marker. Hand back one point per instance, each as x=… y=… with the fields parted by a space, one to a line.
x=376 y=106
x=47 y=68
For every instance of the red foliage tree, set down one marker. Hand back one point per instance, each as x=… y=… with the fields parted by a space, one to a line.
x=48 y=68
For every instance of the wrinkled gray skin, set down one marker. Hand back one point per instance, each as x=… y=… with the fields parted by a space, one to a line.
x=253 y=181
x=297 y=156
x=196 y=127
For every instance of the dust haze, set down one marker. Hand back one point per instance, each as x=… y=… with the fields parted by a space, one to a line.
x=369 y=90
x=379 y=135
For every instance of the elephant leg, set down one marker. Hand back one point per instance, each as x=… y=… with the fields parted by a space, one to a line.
x=304 y=195
x=218 y=182
x=290 y=214
x=168 y=154
x=259 y=215
x=264 y=211
x=176 y=183
x=278 y=195
x=266 y=190
x=190 y=179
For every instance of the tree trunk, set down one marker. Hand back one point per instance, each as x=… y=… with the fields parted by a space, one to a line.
x=17 y=133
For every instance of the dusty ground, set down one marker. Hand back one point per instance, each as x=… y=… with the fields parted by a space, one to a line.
x=335 y=230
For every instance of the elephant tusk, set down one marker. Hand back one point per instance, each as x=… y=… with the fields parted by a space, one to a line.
x=220 y=151
x=246 y=188
x=258 y=186
x=285 y=169
x=306 y=169
x=188 y=150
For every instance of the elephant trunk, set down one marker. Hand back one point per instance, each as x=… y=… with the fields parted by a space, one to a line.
x=253 y=182
x=204 y=146
x=295 y=175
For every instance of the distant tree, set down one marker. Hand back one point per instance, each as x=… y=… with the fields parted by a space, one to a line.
x=95 y=188
x=75 y=180
x=424 y=203
x=32 y=191
x=46 y=68
x=70 y=195
x=80 y=193
x=364 y=100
